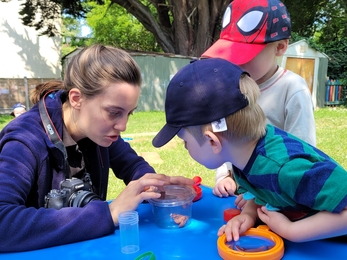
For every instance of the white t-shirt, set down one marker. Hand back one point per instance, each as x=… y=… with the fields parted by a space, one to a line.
x=287 y=103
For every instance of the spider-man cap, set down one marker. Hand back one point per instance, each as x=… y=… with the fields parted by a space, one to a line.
x=248 y=25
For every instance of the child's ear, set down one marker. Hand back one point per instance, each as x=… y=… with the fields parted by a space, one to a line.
x=75 y=98
x=281 y=47
x=214 y=141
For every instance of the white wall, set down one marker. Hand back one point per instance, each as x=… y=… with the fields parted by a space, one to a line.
x=22 y=52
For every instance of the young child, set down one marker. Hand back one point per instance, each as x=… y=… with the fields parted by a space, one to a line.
x=18 y=109
x=294 y=188
x=255 y=33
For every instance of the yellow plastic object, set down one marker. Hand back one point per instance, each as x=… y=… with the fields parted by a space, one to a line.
x=274 y=253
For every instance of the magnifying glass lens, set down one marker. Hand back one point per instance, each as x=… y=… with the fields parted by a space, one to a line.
x=251 y=244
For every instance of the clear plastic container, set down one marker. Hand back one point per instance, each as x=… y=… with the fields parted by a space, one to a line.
x=174 y=208
x=129 y=231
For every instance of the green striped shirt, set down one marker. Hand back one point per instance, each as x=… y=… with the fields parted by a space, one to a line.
x=287 y=173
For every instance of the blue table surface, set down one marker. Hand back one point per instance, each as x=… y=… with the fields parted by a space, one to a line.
x=198 y=240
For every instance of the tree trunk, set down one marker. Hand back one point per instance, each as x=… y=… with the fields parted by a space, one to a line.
x=195 y=24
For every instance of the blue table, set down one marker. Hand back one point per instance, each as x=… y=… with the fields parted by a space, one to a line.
x=195 y=241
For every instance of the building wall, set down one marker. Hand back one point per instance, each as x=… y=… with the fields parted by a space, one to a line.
x=157 y=71
x=23 y=55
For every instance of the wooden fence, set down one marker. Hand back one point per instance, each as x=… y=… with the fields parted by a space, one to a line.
x=335 y=93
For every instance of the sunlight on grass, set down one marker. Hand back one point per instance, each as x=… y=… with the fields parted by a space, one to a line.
x=330 y=127
x=175 y=160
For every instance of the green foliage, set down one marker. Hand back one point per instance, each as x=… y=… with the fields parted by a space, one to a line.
x=66 y=49
x=337 y=52
x=71 y=27
x=303 y=14
x=330 y=36
x=71 y=31
x=333 y=22
x=113 y=25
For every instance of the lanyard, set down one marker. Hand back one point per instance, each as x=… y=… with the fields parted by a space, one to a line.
x=53 y=134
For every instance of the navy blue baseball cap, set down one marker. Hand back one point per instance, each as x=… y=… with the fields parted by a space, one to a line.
x=17 y=105
x=201 y=92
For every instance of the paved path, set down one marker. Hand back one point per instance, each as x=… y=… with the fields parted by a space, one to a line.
x=150 y=157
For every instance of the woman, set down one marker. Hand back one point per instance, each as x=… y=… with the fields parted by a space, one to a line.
x=70 y=137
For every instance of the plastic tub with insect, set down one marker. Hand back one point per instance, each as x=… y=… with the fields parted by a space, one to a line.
x=174 y=208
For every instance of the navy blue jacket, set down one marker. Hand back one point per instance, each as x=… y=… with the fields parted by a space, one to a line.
x=30 y=166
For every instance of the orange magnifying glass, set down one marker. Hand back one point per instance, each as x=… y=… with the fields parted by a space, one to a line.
x=256 y=243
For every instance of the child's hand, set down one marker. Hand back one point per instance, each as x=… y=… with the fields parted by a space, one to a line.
x=240 y=202
x=276 y=221
x=225 y=187
x=236 y=226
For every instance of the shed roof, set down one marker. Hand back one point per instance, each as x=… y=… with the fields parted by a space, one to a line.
x=302 y=49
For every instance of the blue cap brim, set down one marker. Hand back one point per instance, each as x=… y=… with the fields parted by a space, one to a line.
x=165 y=135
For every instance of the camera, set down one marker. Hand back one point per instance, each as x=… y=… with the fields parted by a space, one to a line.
x=73 y=193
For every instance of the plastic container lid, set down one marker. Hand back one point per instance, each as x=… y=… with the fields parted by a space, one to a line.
x=174 y=195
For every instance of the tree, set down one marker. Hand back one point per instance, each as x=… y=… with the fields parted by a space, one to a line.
x=113 y=25
x=337 y=51
x=186 y=27
x=333 y=22
x=179 y=26
x=304 y=15
x=70 y=27
x=331 y=38
x=71 y=31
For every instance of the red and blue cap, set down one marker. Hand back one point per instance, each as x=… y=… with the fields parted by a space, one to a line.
x=200 y=93
x=248 y=25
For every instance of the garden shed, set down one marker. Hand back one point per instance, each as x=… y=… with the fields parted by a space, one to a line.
x=310 y=64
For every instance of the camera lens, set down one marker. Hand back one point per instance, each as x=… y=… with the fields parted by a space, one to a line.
x=82 y=198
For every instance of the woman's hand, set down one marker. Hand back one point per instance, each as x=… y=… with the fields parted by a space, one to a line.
x=142 y=189
x=136 y=192
x=180 y=180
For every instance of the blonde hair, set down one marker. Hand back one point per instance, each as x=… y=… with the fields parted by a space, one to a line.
x=249 y=123
x=92 y=70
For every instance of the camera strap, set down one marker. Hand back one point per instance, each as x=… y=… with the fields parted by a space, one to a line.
x=53 y=134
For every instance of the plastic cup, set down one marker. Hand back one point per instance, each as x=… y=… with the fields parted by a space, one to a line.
x=174 y=208
x=129 y=232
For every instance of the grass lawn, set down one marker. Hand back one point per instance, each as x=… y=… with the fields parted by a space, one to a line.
x=173 y=159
